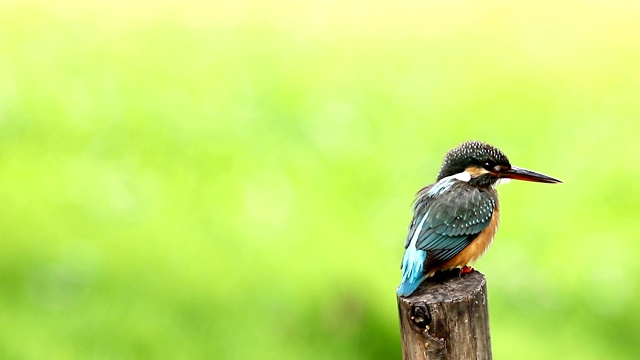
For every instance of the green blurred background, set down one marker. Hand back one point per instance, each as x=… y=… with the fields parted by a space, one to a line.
x=218 y=180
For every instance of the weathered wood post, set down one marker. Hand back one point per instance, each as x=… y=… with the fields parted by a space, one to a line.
x=446 y=318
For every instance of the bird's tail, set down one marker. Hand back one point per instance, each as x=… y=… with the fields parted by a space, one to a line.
x=412 y=270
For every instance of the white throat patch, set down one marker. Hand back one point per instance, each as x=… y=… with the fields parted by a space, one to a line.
x=501 y=181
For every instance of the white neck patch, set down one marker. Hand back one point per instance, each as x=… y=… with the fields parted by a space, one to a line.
x=444 y=183
x=463 y=176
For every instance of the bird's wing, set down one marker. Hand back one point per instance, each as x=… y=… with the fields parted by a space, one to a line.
x=453 y=216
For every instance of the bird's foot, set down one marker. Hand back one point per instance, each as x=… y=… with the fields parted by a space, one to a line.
x=465 y=270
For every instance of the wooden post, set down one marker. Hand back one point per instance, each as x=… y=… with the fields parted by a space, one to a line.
x=446 y=318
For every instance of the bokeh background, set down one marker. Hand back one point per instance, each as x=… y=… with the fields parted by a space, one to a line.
x=233 y=180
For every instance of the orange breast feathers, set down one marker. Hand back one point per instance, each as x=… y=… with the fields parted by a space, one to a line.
x=476 y=248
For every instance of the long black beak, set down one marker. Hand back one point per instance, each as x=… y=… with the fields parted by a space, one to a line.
x=518 y=173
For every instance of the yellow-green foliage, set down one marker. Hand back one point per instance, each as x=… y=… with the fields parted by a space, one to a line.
x=232 y=180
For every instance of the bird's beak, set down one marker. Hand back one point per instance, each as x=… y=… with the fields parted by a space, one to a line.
x=518 y=173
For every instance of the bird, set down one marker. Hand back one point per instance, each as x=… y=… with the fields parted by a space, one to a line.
x=455 y=219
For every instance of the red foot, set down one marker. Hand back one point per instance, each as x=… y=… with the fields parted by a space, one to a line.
x=466 y=269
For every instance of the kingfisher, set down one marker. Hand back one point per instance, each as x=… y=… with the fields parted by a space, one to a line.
x=455 y=218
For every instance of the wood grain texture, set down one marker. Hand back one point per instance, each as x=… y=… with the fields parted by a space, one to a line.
x=446 y=318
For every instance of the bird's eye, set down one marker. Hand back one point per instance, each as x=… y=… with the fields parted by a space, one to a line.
x=492 y=166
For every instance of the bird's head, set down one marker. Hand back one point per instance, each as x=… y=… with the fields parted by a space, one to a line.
x=484 y=165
